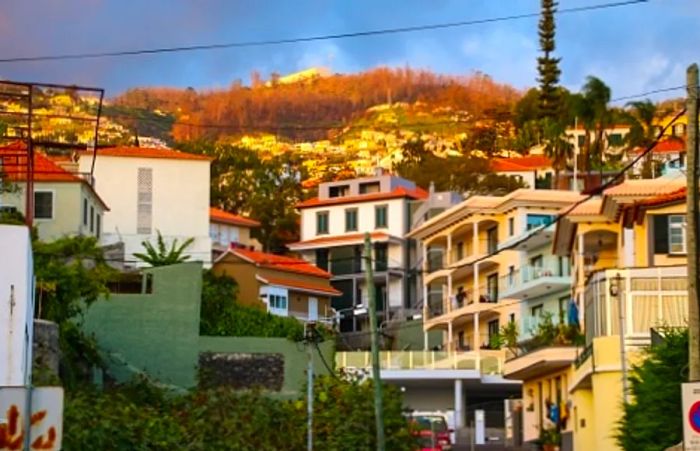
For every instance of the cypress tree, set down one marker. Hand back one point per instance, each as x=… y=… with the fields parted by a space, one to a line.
x=547 y=65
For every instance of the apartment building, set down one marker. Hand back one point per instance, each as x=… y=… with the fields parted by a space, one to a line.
x=333 y=226
x=627 y=251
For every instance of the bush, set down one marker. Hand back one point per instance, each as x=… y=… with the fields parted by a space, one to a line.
x=139 y=416
x=653 y=421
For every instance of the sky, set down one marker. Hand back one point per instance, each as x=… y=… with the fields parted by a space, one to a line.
x=633 y=49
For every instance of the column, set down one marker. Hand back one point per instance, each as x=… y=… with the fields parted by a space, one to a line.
x=449 y=336
x=448 y=251
x=449 y=292
x=426 y=342
x=459 y=405
x=475 y=294
x=425 y=258
x=476 y=339
x=475 y=240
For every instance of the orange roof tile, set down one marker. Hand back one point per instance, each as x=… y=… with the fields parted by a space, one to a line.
x=13 y=159
x=644 y=188
x=321 y=287
x=674 y=196
x=224 y=217
x=149 y=152
x=588 y=208
x=280 y=263
x=669 y=145
x=520 y=164
x=349 y=237
x=398 y=193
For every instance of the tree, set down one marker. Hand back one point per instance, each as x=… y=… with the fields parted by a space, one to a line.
x=591 y=107
x=161 y=255
x=547 y=65
x=557 y=146
x=642 y=133
x=653 y=420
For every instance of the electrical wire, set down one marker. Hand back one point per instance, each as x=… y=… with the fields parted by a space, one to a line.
x=336 y=36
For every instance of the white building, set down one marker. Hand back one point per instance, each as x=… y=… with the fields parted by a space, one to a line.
x=16 y=305
x=153 y=190
x=614 y=137
x=528 y=169
x=332 y=235
x=228 y=229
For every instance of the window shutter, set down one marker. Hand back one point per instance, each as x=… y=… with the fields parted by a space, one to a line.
x=144 y=216
x=660 y=234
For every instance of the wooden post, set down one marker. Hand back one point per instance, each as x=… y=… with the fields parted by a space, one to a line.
x=692 y=225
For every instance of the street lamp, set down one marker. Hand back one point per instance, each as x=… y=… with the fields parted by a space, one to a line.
x=615 y=284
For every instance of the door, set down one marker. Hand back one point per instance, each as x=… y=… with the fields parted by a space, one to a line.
x=313 y=309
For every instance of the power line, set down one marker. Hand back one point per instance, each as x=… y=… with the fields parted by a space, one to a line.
x=282 y=41
x=644 y=94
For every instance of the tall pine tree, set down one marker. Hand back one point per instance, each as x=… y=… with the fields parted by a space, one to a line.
x=547 y=65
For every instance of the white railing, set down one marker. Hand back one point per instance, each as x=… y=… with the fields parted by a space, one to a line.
x=484 y=361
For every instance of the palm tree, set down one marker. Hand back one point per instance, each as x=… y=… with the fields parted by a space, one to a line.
x=160 y=255
x=591 y=108
x=642 y=133
x=556 y=146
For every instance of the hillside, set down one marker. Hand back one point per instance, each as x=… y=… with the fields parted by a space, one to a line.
x=311 y=108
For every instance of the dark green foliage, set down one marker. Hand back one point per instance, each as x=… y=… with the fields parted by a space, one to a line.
x=141 y=417
x=266 y=189
x=161 y=255
x=653 y=420
x=547 y=65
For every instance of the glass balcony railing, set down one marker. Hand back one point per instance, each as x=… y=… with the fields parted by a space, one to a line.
x=485 y=361
x=549 y=267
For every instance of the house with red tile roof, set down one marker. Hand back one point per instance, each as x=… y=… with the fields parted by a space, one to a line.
x=280 y=285
x=151 y=190
x=333 y=225
x=668 y=156
x=65 y=202
x=228 y=229
x=528 y=169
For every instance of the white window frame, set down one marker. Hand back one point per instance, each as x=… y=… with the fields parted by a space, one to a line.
x=273 y=295
x=53 y=204
x=676 y=226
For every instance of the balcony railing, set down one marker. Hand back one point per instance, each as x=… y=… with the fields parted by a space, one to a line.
x=486 y=362
x=550 y=267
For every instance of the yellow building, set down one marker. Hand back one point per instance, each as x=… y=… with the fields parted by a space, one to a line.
x=627 y=250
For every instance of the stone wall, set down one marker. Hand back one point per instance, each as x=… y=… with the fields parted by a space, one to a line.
x=242 y=370
x=45 y=351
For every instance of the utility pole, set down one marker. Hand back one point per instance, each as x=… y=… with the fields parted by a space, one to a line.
x=309 y=337
x=692 y=225
x=376 y=377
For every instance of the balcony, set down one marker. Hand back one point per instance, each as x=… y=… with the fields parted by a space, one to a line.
x=440 y=305
x=485 y=362
x=540 y=362
x=531 y=281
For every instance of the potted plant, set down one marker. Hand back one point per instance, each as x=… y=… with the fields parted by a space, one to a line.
x=550 y=439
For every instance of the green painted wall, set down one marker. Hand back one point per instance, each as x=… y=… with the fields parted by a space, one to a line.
x=155 y=333
x=158 y=334
x=409 y=336
x=295 y=355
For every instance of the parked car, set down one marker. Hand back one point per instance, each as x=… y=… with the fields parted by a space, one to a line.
x=432 y=432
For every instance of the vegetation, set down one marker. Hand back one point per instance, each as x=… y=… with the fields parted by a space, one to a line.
x=140 y=416
x=653 y=420
x=266 y=189
x=547 y=65
x=161 y=255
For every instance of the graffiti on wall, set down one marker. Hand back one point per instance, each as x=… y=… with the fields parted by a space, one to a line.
x=45 y=423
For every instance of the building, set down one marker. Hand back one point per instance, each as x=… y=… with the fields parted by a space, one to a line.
x=626 y=248
x=228 y=229
x=333 y=226
x=614 y=137
x=65 y=203
x=533 y=170
x=281 y=285
x=668 y=157
x=151 y=190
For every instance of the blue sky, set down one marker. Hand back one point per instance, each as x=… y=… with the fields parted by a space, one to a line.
x=633 y=48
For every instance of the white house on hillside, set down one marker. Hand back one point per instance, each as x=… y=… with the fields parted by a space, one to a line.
x=150 y=190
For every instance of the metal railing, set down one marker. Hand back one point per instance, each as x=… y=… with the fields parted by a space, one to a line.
x=484 y=361
x=550 y=267
x=583 y=356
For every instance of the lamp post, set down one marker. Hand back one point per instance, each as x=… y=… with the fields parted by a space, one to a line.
x=615 y=292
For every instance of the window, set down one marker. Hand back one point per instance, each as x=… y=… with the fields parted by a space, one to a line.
x=615 y=139
x=278 y=302
x=493 y=327
x=144 y=206
x=537 y=261
x=460 y=250
x=43 y=204
x=491 y=240
x=351 y=220
x=85 y=212
x=322 y=259
x=511 y=226
x=676 y=234
x=511 y=275
x=371 y=187
x=98 y=226
x=581 y=141
x=380 y=216
x=339 y=191
x=321 y=222
x=534 y=221
x=381 y=256
x=92 y=219
x=537 y=310
x=492 y=288
x=511 y=318
x=679 y=130
x=563 y=308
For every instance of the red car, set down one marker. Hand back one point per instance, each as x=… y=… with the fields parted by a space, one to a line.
x=432 y=432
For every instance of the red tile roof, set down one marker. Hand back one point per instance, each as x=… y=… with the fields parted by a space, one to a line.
x=149 y=152
x=520 y=164
x=350 y=237
x=280 y=263
x=669 y=145
x=666 y=198
x=321 y=287
x=397 y=193
x=13 y=159
x=224 y=217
